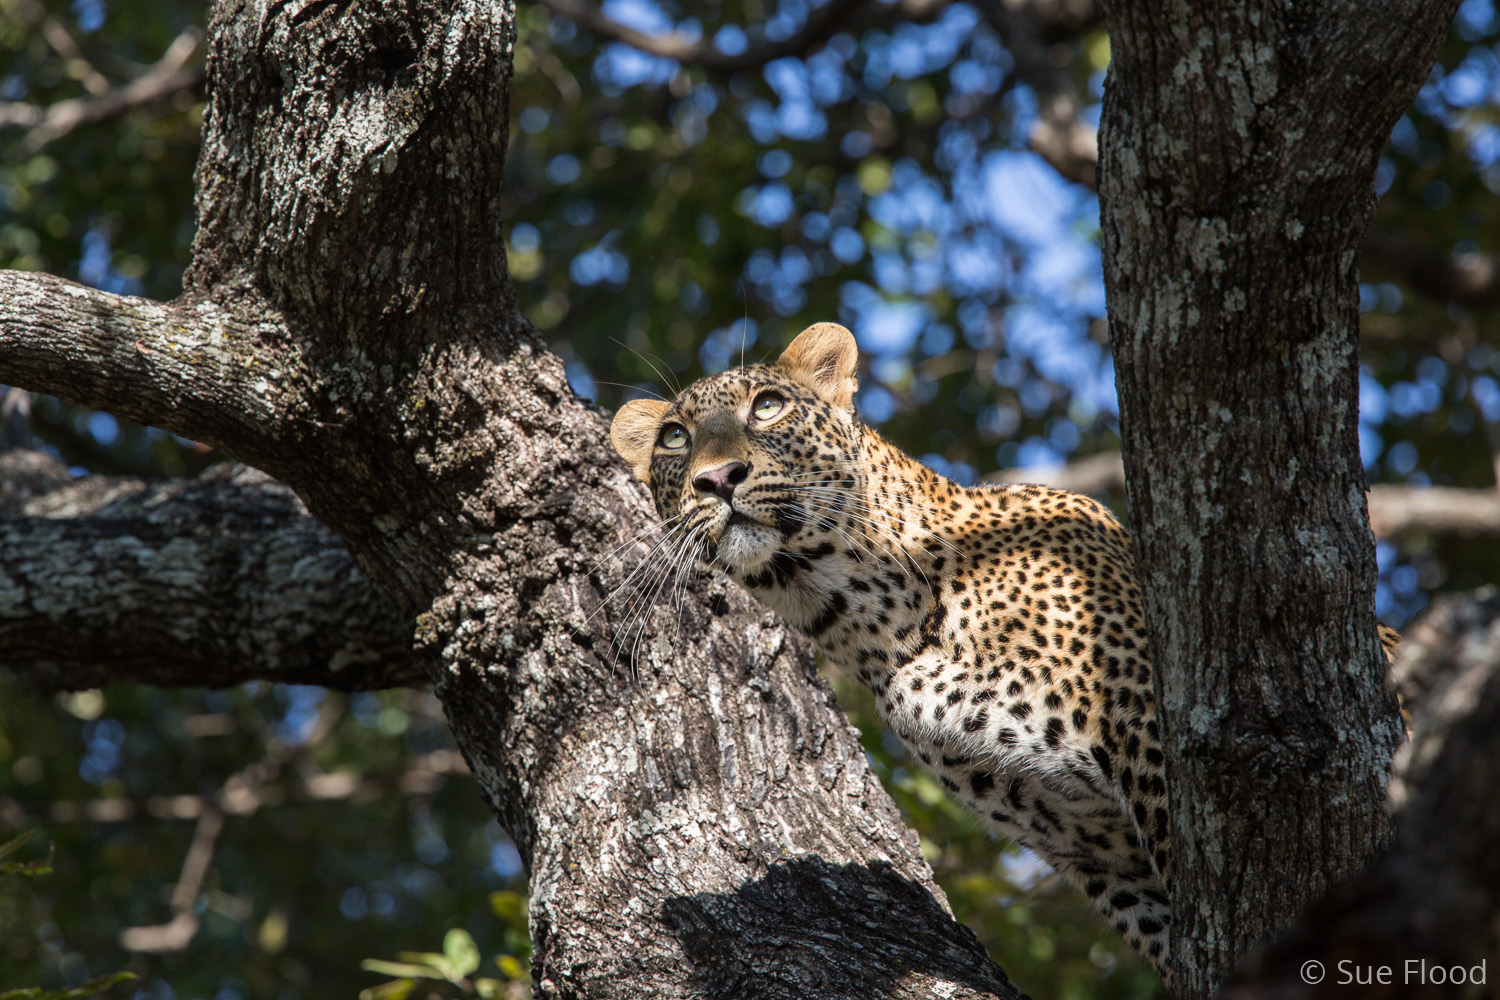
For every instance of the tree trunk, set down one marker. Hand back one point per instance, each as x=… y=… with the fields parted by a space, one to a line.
x=696 y=814
x=1238 y=148
x=1421 y=923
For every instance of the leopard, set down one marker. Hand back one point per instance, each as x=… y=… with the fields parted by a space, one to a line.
x=999 y=627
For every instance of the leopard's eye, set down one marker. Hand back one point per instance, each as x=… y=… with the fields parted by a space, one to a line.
x=768 y=405
x=673 y=437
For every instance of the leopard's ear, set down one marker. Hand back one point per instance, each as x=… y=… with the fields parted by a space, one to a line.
x=825 y=357
x=634 y=433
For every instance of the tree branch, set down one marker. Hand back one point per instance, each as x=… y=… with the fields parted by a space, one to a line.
x=175 y=934
x=1064 y=141
x=1095 y=474
x=1395 y=511
x=190 y=366
x=266 y=592
x=1029 y=29
x=167 y=76
x=61 y=40
x=423 y=775
x=206 y=582
x=1473 y=282
x=821 y=24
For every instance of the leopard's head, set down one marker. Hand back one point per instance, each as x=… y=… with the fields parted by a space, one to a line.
x=748 y=461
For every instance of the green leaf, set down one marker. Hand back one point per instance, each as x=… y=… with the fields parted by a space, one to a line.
x=101 y=983
x=461 y=951
x=402 y=969
x=93 y=987
x=12 y=846
x=41 y=866
x=489 y=989
x=439 y=963
x=396 y=989
x=512 y=968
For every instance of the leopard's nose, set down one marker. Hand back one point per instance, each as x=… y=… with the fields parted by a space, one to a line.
x=721 y=481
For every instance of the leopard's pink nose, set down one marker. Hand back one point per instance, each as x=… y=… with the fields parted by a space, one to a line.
x=721 y=481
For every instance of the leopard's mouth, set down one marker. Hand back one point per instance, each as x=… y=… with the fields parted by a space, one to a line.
x=745 y=543
x=722 y=523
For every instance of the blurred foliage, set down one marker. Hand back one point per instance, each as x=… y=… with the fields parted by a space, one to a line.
x=39 y=866
x=666 y=221
x=94 y=987
x=458 y=960
x=856 y=184
x=363 y=840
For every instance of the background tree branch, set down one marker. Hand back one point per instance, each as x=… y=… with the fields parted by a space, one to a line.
x=1395 y=511
x=821 y=23
x=1030 y=31
x=1071 y=148
x=61 y=40
x=169 y=75
x=422 y=775
x=1472 y=282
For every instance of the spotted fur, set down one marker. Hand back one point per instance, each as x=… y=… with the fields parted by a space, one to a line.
x=999 y=628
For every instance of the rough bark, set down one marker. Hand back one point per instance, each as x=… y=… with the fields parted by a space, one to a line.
x=208 y=583
x=695 y=814
x=1431 y=900
x=1238 y=146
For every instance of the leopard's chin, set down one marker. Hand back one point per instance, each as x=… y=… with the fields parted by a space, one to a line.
x=745 y=545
